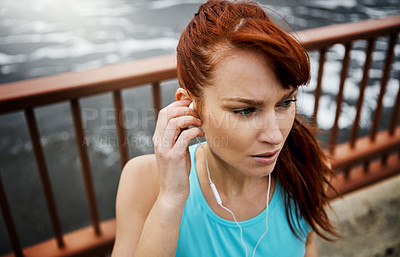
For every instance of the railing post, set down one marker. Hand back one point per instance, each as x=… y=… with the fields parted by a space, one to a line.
x=9 y=222
x=339 y=97
x=84 y=158
x=384 y=81
x=395 y=113
x=156 y=98
x=363 y=85
x=44 y=175
x=120 y=124
x=318 y=89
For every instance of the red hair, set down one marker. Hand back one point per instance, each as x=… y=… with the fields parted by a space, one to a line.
x=220 y=26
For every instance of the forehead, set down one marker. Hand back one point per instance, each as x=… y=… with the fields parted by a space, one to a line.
x=244 y=73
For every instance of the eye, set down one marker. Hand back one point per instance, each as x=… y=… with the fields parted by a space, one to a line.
x=245 y=111
x=286 y=104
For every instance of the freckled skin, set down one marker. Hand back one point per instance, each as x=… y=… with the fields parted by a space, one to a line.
x=233 y=132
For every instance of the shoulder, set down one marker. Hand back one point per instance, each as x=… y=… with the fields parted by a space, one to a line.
x=140 y=175
x=143 y=161
x=138 y=187
x=137 y=192
x=143 y=165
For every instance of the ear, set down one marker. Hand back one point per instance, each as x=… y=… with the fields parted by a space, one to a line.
x=182 y=94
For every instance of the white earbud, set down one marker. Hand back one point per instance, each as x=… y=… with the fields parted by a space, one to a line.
x=191 y=106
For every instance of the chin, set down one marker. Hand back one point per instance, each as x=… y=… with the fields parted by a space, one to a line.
x=260 y=172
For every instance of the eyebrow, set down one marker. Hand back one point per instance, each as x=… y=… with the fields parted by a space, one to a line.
x=256 y=102
x=290 y=94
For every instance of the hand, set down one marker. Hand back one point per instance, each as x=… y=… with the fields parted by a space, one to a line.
x=171 y=141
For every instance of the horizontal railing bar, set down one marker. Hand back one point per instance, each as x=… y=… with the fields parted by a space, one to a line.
x=9 y=222
x=347 y=32
x=81 y=242
x=62 y=87
x=85 y=163
x=44 y=175
x=358 y=178
x=365 y=149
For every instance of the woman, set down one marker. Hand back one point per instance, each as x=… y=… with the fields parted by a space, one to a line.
x=242 y=73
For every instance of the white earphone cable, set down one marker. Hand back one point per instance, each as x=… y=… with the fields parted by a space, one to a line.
x=214 y=189
x=266 y=220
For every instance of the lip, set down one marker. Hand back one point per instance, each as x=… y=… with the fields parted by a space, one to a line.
x=266 y=158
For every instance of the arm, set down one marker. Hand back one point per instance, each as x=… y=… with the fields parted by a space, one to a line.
x=137 y=193
x=311 y=249
x=161 y=230
x=147 y=222
x=153 y=189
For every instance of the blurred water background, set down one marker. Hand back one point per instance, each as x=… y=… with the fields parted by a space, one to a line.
x=45 y=37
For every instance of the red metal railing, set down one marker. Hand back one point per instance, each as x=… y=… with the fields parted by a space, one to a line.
x=358 y=162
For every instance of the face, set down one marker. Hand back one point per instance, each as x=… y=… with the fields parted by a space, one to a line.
x=247 y=114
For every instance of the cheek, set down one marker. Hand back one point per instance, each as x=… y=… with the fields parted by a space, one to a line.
x=223 y=132
x=285 y=121
x=228 y=144
x=216 y=120
x=214 y=124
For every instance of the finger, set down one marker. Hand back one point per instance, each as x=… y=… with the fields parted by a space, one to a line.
x=181 y=111
x=176 y=125
x=165 y=115
x=182 y=144
x=164 y=142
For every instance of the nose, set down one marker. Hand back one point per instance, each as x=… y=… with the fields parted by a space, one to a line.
x=270 y=132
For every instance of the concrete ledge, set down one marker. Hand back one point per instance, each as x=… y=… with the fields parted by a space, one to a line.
x=368 y=221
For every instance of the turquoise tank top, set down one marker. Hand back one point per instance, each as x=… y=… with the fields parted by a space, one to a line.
x=204 y=234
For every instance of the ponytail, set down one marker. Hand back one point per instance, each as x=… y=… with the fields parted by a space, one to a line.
x=304 y=172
